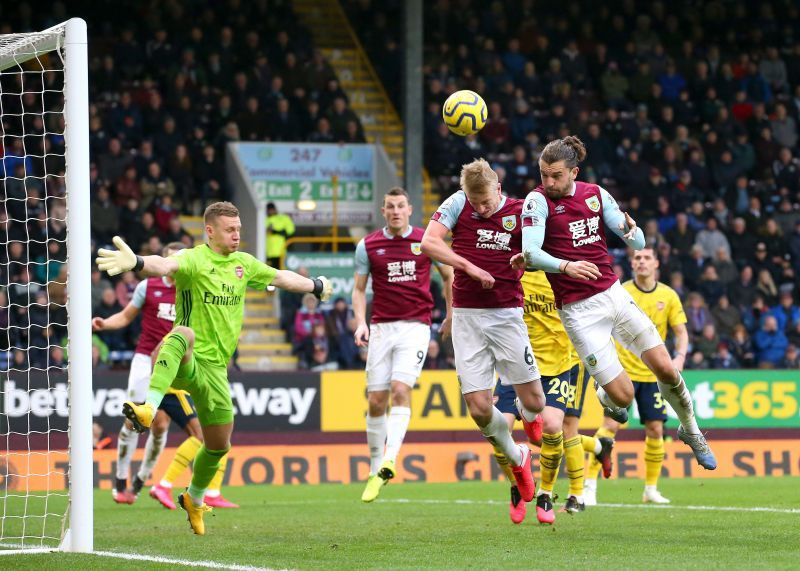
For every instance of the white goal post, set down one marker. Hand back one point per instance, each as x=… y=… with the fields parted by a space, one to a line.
x=45 y=140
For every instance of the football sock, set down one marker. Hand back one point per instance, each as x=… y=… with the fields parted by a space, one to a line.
x=496 y=432
x=396 y=427
x=502 y=461
x=594 y=466
x=376 y=440
x=573 y=453
x=126 y=446
x=216 y=483
x=152 y=450
x=550 y=459
x=653 y=459
x=206 y=464
x=680 y=400
x=528 y=415
x=590 y=444
x=168 y=361
x=185 y=453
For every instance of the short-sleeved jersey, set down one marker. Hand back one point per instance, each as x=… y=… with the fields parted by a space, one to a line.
x=401 y=275
x=574 y=230
x=155 y=297
x=210 y=298
x=549 y=341
x=489 y=243
x=663 y=306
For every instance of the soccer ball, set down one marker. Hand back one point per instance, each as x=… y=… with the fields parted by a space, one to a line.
x=464 y=112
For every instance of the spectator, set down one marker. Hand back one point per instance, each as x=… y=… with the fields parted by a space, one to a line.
x=694 y=266
x=111 y=165
x=726 y=269
x=306 y=317
x=340 y=323
x=209 y=175
x=766 y=286
x=164 y=214
x=128 y=187
x=787 y=312
x=115 y=340
x=784 y=127
x=697 y=361
x=682 y=237
x=711 y=239
x=105 y=217
x=724 y=359
x=180 y=171
x=753 y=315
x=176 y=233
x=742 y=241
x=770 y=344
x=726 y=316
x=791 y=359
x=125 y=288
x=280 y=227
x=155 y=185
x=697 y=314
x=708 y=342
x=742 y=346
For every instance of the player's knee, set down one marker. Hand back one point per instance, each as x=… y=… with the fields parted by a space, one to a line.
x=654 y=429
x=401 y=394
x=377 y=402
x=187 y=333
x=193 y=429
x=480 y=410
x=160 y=424
x=533 y=401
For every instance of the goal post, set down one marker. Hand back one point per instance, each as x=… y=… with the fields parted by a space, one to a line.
x=45 y=182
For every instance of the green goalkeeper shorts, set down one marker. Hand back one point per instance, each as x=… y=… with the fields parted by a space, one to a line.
x=208 y=385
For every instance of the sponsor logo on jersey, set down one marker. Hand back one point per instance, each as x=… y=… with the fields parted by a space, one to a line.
x=416 y=248
x=529 y=205
x=593 y=204
x=239 y=271
x=380 y=251
x=560 y=209
x=509 y=222
x=158 y=293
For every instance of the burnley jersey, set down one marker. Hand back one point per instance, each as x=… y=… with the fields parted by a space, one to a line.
x=155 y=297
x=401 y=275
x=489 y=243
x=574 y=230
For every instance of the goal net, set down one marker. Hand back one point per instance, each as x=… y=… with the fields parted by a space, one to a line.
x=45 y=304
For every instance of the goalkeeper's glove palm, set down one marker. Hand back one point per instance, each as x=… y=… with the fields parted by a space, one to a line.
x=116 y=261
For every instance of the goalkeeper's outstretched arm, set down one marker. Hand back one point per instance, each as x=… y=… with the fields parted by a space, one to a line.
x=291 y=281
x=123 y=259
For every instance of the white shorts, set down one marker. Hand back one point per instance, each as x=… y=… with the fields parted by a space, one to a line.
x=139 y=377
x=486 y=341
x=397 y=351
x=592 y=322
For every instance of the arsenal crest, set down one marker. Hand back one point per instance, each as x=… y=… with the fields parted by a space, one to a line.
x=416 y=248
x=593 y=203
x=509 y=222
x=239 y=272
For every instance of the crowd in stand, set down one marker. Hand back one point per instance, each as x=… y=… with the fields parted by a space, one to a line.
x=689 y=113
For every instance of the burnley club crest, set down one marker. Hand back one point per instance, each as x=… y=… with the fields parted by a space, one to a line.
x=509 y=222
x=593 y=203
x=416 y=248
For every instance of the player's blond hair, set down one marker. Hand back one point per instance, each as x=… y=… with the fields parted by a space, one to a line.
x=478 y=178
x=172 y=247
x=217 y=209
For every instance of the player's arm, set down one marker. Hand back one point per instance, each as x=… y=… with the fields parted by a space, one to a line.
x=291 y=281
x=124 y=259
x=534 y=223
x=119 y=320
x=621 y=223
x=359 y=296
x=126 y=316
x=447 y=291
x=681 y=338
x=434 y=246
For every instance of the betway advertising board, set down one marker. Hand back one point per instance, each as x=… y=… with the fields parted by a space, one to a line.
x=285 y=173
x=262 y=403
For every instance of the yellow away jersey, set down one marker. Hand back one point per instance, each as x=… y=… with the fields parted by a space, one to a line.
x=551 y=346
x=664 y=308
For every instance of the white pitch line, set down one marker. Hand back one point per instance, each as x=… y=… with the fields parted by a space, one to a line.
x=620 y=506
x=184 y=562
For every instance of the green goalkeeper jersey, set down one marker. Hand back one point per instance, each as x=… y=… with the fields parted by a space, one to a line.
x=210 y=298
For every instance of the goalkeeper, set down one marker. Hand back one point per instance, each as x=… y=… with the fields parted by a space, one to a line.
x=211 y=281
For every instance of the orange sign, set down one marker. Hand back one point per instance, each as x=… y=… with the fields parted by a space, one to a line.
x=432 y=462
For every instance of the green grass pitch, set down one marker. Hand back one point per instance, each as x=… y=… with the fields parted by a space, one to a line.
x=457 y=526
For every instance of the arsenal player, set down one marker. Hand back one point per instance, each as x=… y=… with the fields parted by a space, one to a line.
x=399 y=331
x=564 y=234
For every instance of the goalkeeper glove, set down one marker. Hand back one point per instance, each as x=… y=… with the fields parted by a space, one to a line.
x=323 y=288
x=117 y=261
